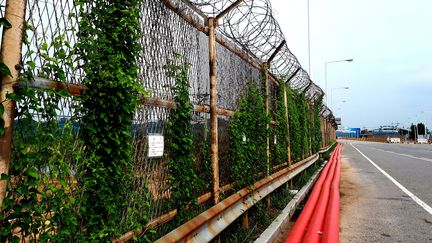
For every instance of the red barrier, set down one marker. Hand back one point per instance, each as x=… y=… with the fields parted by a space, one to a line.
x=296 y=234
x=321 y=206
x=331 y=227
x=315 y=228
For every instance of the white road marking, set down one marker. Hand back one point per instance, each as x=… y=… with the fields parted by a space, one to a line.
x=406 y=155
x=406 y=191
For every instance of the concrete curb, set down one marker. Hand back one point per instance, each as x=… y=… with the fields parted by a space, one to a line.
x=275 y=229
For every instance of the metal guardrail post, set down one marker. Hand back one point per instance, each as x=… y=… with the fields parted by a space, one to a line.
x=11 y=56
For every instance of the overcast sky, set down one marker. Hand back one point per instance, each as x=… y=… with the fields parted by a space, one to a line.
x=390 y=79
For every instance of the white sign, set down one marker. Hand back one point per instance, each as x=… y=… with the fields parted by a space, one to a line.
x=155 y=145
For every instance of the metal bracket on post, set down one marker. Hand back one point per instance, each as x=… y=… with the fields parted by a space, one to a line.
x=273 y=55
x=195 y=9
x=228 y=9
x=11 y=57
x=293 y=75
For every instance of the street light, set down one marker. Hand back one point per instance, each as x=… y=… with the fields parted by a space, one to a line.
x=345 y=60
x=332 y=93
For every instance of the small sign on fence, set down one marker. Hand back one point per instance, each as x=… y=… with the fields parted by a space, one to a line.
x=155 y=146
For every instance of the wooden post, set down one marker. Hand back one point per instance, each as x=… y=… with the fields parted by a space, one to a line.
x=11 y=57
x=310 y=127
x=267 y=107
x=322 y=132
x=325 y=131
x=212 y=23
x=288 y=126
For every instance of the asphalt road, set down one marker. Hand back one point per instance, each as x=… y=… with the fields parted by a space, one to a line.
x=386 y=197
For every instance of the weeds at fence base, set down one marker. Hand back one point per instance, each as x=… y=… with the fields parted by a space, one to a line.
x=259 y=218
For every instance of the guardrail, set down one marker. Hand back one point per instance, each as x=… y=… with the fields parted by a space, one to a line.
x=246 y=194
x=275 y=229
x=212 y=222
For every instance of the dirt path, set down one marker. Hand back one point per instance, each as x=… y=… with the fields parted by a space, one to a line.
x=350 y=198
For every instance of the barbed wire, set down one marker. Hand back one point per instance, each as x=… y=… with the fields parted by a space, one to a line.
x=252 y=26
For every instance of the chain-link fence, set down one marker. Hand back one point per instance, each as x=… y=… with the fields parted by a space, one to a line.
x=248 y=37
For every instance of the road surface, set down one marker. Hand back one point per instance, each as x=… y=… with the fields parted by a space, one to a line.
x=386 y=192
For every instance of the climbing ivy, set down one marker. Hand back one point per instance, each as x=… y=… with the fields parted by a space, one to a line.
x=184 y=180
x=108 y=46
x=295 y=128
x=41 y=192
x=278 y=140
x=248 y=137
x=302 y=108
x=316 y=126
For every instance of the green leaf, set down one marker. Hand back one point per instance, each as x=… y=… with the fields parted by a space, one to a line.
x=13 y=96
x=4 y=69
x=44 y=47
x=5 y=23
x=4 y=176
x=2 y=127
x=31 y=64
x=32 y=172
x=61 y=54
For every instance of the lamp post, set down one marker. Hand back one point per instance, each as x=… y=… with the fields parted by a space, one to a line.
x=331 y=93
x=344 y=60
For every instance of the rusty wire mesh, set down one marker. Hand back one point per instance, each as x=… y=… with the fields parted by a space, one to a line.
x=49 y=27
x=250 y=27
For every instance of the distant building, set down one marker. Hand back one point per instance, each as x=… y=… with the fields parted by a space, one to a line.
x=348 y=132
x=383 y=133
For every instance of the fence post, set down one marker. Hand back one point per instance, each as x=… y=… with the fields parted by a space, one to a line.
x=322 y=132
x=328 y=132
x=310 y=127
x=288 y=126
x=11 y=56
x=325 y=131
x=214 y=149
x=267 y=107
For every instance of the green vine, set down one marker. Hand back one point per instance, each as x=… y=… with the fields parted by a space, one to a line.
x=108 y=46
x=278 y=140
x=304 y=123
x=295 y=127
x=40 y=203
x=184 y=180
x=316 y=126
x=248 y=133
